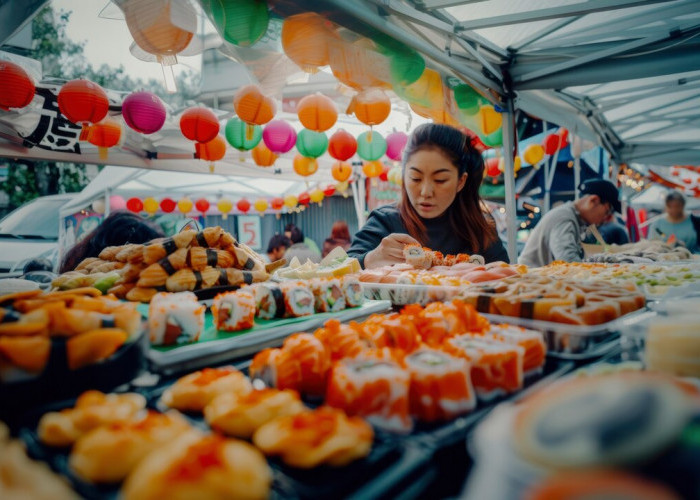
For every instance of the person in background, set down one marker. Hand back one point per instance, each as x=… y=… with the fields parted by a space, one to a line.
x=119 y=228
x=613 y=231
x=276 y=248
x=340 y=237
x=308 y=241
x=299 y=249
x=676 y=225
x=440 y=206
x=558 y=235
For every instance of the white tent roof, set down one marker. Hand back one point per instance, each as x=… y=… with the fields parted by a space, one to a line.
x=655 y=197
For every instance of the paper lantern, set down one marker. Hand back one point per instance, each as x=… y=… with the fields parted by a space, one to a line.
x=316 y=196
x=202 y=205
x=384 y=176
x=359 y=65
x=262 y=156
x=252 y=106
x=150 y=205
x=517 y=163
x=406 y=65
x=489 y=119
x=305 y=40
x=467 y=99
x=277 y=203
x=117 y=202
x=242 y=136
x=167 y=205
x=243 y=205
x=395 y=142
x=329 y=191
x=260 y=205
x=16 y=86
x=279 y=136
x=533 y=154
x=144 y=112
x=311 y=144
x=199 y=124
x=317 y=112
x=342 y=145
x=395 y=176
x=134 y=205
x=185 y=205
x=83 y=102
x=492 y=167
x=553 y=143
x=426 y=91
x=305 y=166
x=493 y=140
x=304 y=198
x=290 y=201
x=341 y=171
x=371 y=107
x=240 y=22
x=564 y=134
x=157 y=26
x=211 y=151
x=98 y=206
x=371 y=145
x=373 y=168
x=342 y=188
x=225 y=206
x=104 y=135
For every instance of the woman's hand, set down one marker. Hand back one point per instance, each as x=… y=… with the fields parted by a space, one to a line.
x=389 y=251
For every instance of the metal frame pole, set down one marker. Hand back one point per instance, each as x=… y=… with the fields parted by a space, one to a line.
x=509 y=179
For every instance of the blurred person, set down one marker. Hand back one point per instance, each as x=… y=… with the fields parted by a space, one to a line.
x=613 y=231
x=558 y=235
x=340 y=237
x=119 y=228
x=308 y=241
x=299 y=249
x=676 y=225
x=277 y=247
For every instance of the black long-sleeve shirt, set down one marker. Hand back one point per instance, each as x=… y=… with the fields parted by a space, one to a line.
x=386 y=220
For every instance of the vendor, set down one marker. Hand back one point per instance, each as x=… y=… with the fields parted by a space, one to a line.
x=676 y=225
x=440 y=207
x=558 y=235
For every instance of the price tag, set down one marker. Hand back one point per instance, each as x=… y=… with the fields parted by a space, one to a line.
x=249 y=231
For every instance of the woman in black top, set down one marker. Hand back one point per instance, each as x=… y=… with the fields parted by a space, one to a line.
x=440 y=207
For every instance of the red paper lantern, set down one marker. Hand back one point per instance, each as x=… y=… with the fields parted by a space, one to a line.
x=202 y=205
x=564 y=135
x=104 y=135
x=167 y=205
x=243 y=205
x=134 y=204
x=342 y=145
x=492 y=167
x=384 y=176
x=199 y=124
x=304 y=198
x=277 y=203
x=553 y=143
x=83 y=102
x=329 y=191
x=16 y=86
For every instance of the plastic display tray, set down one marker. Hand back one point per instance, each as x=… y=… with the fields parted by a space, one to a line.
x=401 y=295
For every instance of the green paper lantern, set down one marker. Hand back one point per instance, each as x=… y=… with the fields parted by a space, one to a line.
x=311 y=144
x=406 y=66
x=494 y=140
x=240 y=22
x=242 y=136
x=468 y=100
x=371 y=146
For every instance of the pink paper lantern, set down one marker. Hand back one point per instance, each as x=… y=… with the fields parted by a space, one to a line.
x=279 y=136
x=144 y=112
x=117 y=202
x=395 y=143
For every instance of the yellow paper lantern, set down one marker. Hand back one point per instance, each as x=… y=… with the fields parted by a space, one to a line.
x=426 y=91
x=150 y=205
x=225 y=206
x=395 y=175
x=185 y=205
x=342 y=188
x=317 y=196
x=517 y=163
x=260 y=205
x=489 y=119
x=533 y=154
x=290 y=201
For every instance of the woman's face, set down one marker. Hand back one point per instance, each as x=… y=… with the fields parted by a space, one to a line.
x=432 y=182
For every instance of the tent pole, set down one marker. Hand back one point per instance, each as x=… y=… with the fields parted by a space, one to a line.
x=576 y=146
x=108 y=195
x=509 y=179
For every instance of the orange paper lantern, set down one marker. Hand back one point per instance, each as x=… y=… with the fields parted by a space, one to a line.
x=371 y=107
x=305 y=40
x=104 y=135
x=373 y=168
x=151 y=24
x=83 y=102
x=317 y=112
x=252 y=106
x=341 y=171
x=16 y=86
x=211 y=151
x=199 y=124
x=262 y=156
x=305 y=166
x=359 y=65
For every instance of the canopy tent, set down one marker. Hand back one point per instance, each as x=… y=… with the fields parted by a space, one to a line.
x=655 y=196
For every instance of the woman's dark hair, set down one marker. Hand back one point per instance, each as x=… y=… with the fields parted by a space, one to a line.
x=118 y=228
x=297 y=235
x=340 y=231
x=675 y=196
x=466 y=214
x=278 y=240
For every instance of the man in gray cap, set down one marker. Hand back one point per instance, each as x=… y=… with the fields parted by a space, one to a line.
x=558 y=235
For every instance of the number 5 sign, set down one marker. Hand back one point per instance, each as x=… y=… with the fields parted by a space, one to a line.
x=249 y=231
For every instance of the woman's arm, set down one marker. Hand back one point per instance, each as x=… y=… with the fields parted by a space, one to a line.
x=375 y=245
x=496 y=252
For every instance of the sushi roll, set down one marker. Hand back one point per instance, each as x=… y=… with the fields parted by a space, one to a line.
x=233 y=311
x=341 y=341
x=269 y=301
x=417 y=256
x=328 y=295
x=530 y=340
x=496 y=367
x=376 y=390
x=352 y=291
x=298 y=299
x=441 y=387
x=175 y=318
